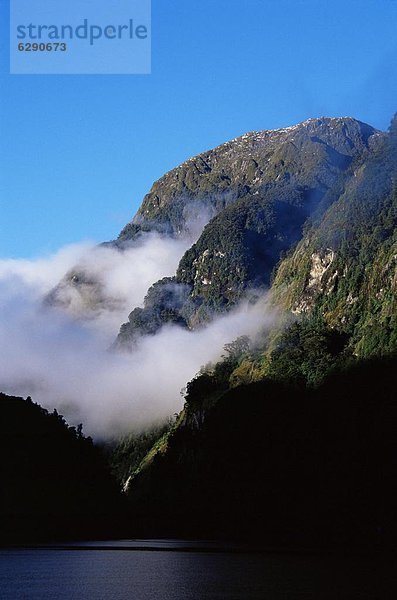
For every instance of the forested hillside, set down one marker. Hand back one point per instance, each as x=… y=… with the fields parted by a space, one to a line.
x=291 y=437
x=281 y=464
x=55 y=484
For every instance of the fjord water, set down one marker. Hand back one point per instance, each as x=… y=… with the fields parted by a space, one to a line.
x=177 y=570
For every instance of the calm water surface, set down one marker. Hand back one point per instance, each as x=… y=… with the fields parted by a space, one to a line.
x=175 y=570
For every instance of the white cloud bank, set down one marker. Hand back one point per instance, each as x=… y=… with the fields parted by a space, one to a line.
x=64 y=363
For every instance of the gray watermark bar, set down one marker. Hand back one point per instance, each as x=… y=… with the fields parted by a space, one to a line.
x=80 y=37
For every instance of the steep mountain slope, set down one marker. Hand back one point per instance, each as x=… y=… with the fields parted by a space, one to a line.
x=293 y=440
x=345 y=269
x=275 y=181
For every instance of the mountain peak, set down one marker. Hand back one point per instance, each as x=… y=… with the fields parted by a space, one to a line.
x=217 y=177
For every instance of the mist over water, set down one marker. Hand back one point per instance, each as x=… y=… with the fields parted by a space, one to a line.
x=61 y=357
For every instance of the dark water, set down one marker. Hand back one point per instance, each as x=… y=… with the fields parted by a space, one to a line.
x=170 y=570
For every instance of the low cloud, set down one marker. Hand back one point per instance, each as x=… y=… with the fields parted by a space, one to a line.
x=62 y=360
x=110 y=282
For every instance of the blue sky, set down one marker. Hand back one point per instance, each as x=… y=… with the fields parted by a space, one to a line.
x=78 y=153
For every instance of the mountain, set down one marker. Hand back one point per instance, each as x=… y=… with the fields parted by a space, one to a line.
x=291 y=438
x=255 y=193
x=262 y=189
x=254 y=162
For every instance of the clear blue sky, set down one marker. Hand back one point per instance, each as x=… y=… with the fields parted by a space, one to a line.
x=78 y=153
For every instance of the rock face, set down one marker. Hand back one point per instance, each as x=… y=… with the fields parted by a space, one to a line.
x=320 y=263
x=261 y=189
